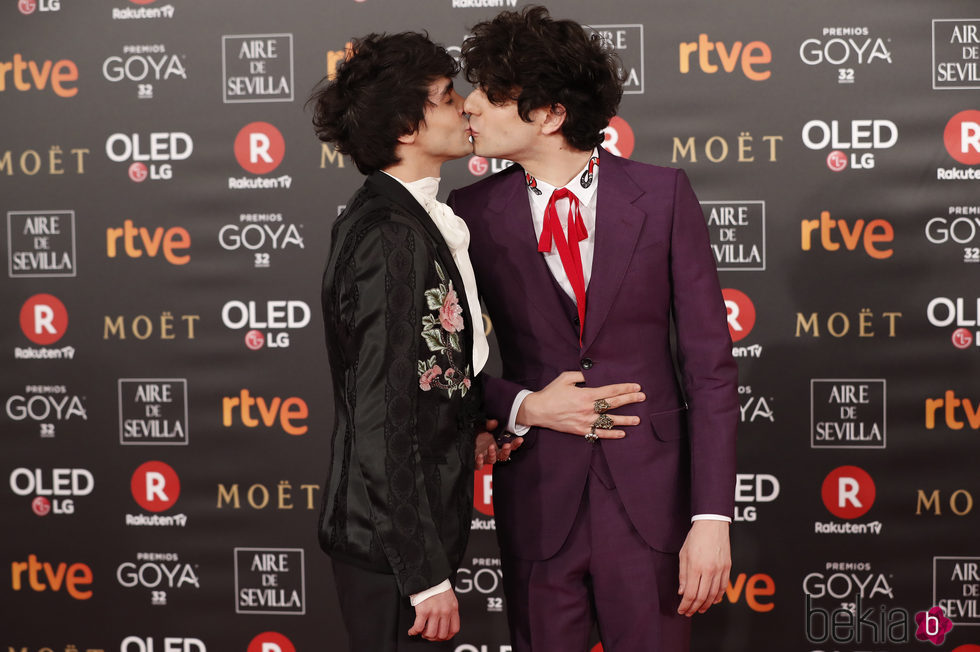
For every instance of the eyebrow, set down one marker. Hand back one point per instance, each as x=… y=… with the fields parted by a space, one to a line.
x=449 y=89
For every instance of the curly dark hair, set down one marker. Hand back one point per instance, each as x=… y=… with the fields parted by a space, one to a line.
x=538 y=61
x=378 y=94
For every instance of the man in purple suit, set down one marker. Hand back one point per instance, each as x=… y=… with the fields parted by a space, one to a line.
x=585 y=261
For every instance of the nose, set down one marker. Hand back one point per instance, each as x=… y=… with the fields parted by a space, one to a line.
x=473 y=102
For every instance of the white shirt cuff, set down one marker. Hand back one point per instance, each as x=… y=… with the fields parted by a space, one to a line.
x=710 y=517
x=512 y=425
x=441 y=587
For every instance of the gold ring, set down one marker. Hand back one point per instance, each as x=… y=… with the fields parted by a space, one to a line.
x=604 y=421
x=600 y=406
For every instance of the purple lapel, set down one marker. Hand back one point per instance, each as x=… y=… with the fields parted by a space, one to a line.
x=618 y=224
x=513 y=230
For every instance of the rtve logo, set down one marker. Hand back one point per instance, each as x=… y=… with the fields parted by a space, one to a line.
x=58 y=73
x=750 y=55
x=289 y=412
x=753 y=587
x=43 y=576
x=949 y=404
x=869 y=234
x=136 y=241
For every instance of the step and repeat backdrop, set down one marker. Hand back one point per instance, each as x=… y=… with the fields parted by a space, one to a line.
x=166 y=410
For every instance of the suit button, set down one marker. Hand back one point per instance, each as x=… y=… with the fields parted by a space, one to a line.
x=586 y=363
x=575 y=322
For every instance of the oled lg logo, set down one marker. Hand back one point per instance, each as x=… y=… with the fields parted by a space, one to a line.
x=259 y=148
x=168 y=644
x=28 y=7
x=841 y=138
x=277 y=317
x=151 y=156
x=55 y=490
x=943 y=312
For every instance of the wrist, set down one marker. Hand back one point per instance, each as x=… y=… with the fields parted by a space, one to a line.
x=525 y=413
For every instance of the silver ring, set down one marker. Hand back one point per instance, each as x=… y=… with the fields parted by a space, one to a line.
x=591 y=437
x=604 y=421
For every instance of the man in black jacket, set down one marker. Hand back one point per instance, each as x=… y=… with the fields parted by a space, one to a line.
x=405 y=339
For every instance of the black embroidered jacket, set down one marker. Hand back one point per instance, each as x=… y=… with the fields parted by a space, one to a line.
x=399 y=494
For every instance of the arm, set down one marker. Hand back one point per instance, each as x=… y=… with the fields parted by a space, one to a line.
x=710 y=380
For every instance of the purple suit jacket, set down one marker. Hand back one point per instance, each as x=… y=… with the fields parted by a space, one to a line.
x=652 y=264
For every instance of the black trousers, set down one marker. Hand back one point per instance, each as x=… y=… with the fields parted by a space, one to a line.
x=377 y=617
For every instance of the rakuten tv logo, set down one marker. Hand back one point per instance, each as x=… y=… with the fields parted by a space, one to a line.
x=259 y=147
x=483 y=490
x=848 y=492
x=741 y=313
x=962 y=137
x=44 y=319
x=44 y=576
x=271 y=642
x=155 y=486
x=618 y=138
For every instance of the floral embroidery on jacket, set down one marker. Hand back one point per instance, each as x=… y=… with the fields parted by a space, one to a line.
x=441 y=334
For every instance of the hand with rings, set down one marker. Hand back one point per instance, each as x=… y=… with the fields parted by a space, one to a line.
x=564 y=407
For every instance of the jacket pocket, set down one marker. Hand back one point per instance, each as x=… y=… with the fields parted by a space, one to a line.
x=669 y=425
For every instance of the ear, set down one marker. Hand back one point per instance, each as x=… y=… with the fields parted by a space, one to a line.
x=554 y=118
x=408 y=139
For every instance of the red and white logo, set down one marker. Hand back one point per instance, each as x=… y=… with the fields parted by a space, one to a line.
x=41 y=505
x=259 y=147
x=962 y=338
x=27 y=7
x=254 y=340
x=478 y=166
x=483 y=490
x=142 y=2
x=138 y=172
x=44 y=319
x=848 y=492
x=155 y=486
x=837 y=160
x=618 y=138
x=271 y=642
x=741 y=313
x=962 y=137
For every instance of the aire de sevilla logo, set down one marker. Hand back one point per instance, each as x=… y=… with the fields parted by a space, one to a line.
x=259 y=147
x=741 y=313
x=155 y=486
x=848 y=492
x=44 y=319
x=271 y=642
x=962 y=137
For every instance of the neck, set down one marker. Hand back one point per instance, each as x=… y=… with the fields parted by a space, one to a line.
x=556 y=164
x=412 y=168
